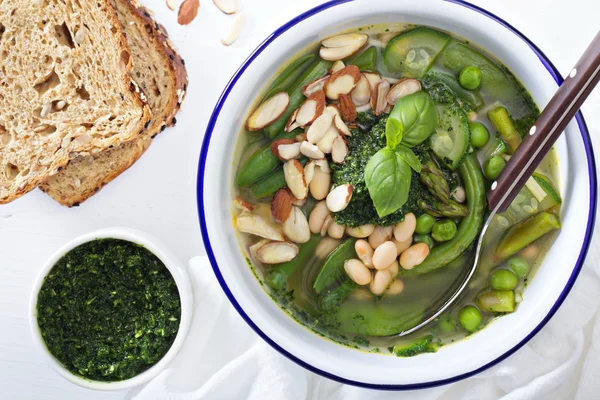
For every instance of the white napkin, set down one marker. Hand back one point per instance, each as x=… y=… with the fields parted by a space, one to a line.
x=223 y=358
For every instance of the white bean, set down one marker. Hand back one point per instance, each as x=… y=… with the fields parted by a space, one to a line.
x=320 y=184
x=414 y=255
x=360 y=232
x=364 y=252
x=404 y=229
x=380 y=282
x=401 y=246
x=357 y=271
x=459 y=194
x=317 y=217
x=380 y=235
x=336 y=231
x=394 y=267
x=384 y=255
x=395 y=288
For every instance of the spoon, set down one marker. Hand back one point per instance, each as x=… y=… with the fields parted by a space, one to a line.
x=561 y=108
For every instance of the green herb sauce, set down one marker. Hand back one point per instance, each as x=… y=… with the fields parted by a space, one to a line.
x=109 y=310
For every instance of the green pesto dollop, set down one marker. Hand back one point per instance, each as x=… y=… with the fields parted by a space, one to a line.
x=108 y=310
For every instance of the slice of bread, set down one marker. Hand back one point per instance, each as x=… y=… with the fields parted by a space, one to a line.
x=161 y=74
x=65 y=87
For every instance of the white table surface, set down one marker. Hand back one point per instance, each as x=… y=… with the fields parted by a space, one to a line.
x=158 y=193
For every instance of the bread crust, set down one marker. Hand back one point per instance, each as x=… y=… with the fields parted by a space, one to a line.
x=179 y=80
x=128 y=84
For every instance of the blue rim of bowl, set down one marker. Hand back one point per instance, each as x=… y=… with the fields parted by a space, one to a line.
x=201 y=170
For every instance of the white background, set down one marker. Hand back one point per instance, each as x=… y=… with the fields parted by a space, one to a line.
x=158 y=193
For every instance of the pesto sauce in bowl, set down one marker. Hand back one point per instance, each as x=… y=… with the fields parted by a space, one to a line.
x=108 y=310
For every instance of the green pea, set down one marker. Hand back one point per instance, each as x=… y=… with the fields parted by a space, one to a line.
x=470 y=78
x=469 y=318
x=519 y=266
x=503 y=279
x=447 y=324
x=443 y=230
x=424 y=224
x=479 y=134
x=493 y=167
x=424 y=239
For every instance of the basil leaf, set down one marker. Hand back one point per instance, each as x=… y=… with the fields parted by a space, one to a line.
x=418 y=116
x=407 y=155
x=387 y=177
x=393 y=133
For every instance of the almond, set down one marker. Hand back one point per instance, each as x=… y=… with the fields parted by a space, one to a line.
x=342 y=46
x=341 y=126
x=314 y=86
x=268 y=112
x=339 y=198
x=339 y=64
x=187 y=11
x=172 y=4
x=298 y=202
x=301 y=137
x=235 y=30
x=309 y=171
x=294 y=178
x=277 y=252
x=333 y=110
x=291 y=123
x=254 y=248
x=281 y=205
x=226 y=6
x=347 y=108
x=319 y=128
x=281 y=142
x=311 y=109
x=342 y=82
x=311 y=151
x=381 y=101
x=242 y=204
x=323 y=165
x=296 y=227
x=339 y=150
x=361 y=94
x=374 y=80
x=255 y=225
x=364 y=108
x=326 y=224
x=404 y=87
x=326 y=143
x=317 y=217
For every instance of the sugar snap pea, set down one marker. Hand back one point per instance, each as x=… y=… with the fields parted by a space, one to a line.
x=316 y=70
x=469 y=226
x=261 y=163
x=332 y=298
x=285 y=79
x=367 y=60
x=333 y=269
x=277 y=276
x=271 y=183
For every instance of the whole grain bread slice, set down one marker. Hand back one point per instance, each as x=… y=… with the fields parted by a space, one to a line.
x=161 y=74
x=65 y=87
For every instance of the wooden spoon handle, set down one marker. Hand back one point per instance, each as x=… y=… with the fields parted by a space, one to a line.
x=556 y=115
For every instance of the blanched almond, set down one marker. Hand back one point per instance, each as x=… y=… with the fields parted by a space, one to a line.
x=309 y=171
x=326 y=143
x=342 y=46
x=342 y=82
x=277 y=252
x=317 y=217
x=291 y=124
x=326 y=224
x=294 y=178
x=339 y=150
x=364 y=108
x=285 y=149
x=256 y=225
x=301 y=137
x=235 y=30
x=404 y=87
x=324 y=165
x=336 y=231
x=311 y=151
x=347 y=108
x=254 y=248
x=242 y=204
x=381 y=103
x=374 y=80
x=281 y=205
x=172 y=4
x=311 y=108
x=339 y=198
x=314 y=86
x=268 y=112
x=333 y=110
x=339 y=64
x=319 y=128
x=361 y=94
x=227 y=6
x=320 y=184
x=341 y=126
x=295 y=228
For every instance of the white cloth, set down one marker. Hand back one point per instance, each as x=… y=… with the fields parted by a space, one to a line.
x=561 y=362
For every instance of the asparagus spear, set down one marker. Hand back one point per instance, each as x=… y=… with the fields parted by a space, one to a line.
x=501 y=120
x=524 y=233
x=438 y=209
x=435 y=184
x=497 y=301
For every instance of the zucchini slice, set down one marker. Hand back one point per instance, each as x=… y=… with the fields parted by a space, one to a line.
x=450 y=142
x=413 y=52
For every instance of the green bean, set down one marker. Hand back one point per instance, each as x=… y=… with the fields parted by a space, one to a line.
x=333 y=269
x=261 y=163
x=330 y=299
x=469 y=226
x=271 y=183
x=367 y=60
x=277 y=276
x=285 y=79
x=316 y=70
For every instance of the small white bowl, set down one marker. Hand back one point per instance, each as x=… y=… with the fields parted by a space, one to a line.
x=174 y=266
